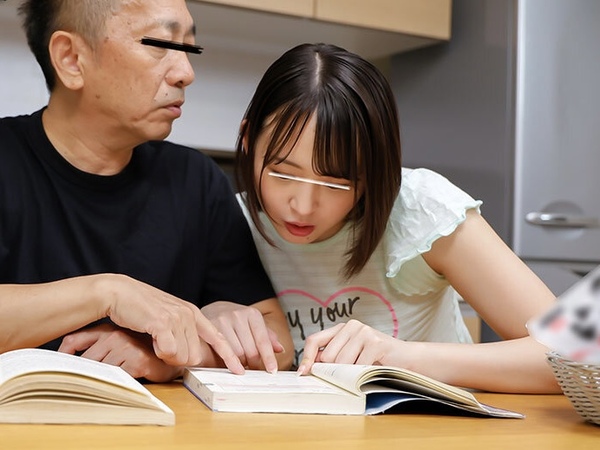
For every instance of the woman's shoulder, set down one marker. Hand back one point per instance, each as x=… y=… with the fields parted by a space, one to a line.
x=425 y=192
x=427 y=182
x=428 y=207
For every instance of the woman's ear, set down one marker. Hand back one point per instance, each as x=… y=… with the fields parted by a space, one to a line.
x=66 y=57
x=244 y=135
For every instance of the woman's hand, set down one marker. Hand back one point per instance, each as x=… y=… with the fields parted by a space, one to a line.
x=351 y=343
x=246 y=331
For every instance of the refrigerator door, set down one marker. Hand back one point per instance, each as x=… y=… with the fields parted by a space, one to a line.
x=557 y=172
x=559 y=276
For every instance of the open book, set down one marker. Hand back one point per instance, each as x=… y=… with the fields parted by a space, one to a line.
x=333 y=389
x=43 y=386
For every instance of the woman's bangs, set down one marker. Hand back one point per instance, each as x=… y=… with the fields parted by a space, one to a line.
x=335 y=152
x=287 y=127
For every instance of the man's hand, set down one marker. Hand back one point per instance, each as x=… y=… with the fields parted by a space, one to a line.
x=178 y=329
x=120 y=347
x=245 y=329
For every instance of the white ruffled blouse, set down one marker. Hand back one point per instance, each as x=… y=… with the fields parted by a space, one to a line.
x=397 y=292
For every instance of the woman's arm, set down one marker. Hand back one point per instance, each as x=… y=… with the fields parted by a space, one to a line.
x=506 y=294
x=498 y=285
x=490 y=277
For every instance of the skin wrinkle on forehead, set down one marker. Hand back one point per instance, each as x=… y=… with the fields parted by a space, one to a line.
x=151 y=23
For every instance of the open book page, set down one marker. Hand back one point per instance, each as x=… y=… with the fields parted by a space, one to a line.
x=20 y=362
x=28 y=372
x=68 y=387
x=354 y=377
x=345 y=376
x=259 y=381
x=44 y=386
x=385 y=387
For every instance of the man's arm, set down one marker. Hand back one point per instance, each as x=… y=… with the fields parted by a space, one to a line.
x=31 y=315
x=258 y=334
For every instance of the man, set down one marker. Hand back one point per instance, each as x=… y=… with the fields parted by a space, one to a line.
x=109 y=236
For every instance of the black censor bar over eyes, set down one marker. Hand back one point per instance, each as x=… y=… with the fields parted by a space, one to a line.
x=161 y=43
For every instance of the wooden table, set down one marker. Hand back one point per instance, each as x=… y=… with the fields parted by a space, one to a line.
x=551 y=423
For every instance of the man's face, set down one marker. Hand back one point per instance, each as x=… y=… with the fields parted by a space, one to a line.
x=138 y=90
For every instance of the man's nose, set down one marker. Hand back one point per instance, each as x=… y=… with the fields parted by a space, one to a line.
x=182 y=72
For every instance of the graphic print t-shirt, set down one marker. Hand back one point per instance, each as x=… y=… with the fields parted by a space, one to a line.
x=397 y=292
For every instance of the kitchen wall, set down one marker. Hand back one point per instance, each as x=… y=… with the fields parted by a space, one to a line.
x=456 y=108
x=456 y=105
x=22 y=89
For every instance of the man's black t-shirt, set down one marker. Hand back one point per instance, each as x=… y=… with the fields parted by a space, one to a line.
x=169 y=219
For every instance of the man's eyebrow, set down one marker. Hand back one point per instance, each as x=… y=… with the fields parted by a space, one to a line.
x=174 y=26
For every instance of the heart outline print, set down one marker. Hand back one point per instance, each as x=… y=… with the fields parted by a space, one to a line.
x=342 y=310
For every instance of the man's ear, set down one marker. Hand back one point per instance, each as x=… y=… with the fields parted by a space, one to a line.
x=66 y=56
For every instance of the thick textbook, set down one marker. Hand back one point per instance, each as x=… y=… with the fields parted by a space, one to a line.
x=43 y=386
x=334 y=389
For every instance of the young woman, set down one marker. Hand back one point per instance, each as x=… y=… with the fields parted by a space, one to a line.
x=366 y=256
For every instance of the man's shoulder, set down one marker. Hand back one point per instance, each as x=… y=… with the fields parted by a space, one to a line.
x=173 y=150
x=172 y=153
x=166 y=145
x=17 y=132
x=13 y=122
x=185 y=161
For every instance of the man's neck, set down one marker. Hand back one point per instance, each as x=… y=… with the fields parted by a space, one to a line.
x=84 y=143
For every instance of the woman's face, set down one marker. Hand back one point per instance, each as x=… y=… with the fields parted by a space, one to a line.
x=303 y=206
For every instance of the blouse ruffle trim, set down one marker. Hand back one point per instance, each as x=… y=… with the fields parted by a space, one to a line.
x=428 y=207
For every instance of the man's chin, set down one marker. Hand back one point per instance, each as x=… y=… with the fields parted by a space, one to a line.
x=159 y=133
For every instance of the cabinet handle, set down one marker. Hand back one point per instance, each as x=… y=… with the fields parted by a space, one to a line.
x=561 y=220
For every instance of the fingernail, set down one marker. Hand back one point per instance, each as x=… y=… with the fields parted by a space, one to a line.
x=240 y=369
x=300 y=370
x=271 y=367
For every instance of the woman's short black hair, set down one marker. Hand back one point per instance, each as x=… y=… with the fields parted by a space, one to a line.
x=357 y=133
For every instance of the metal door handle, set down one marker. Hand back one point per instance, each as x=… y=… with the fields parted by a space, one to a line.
x=561 y=220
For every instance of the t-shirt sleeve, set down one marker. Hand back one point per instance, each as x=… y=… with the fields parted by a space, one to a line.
x=429 y=206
